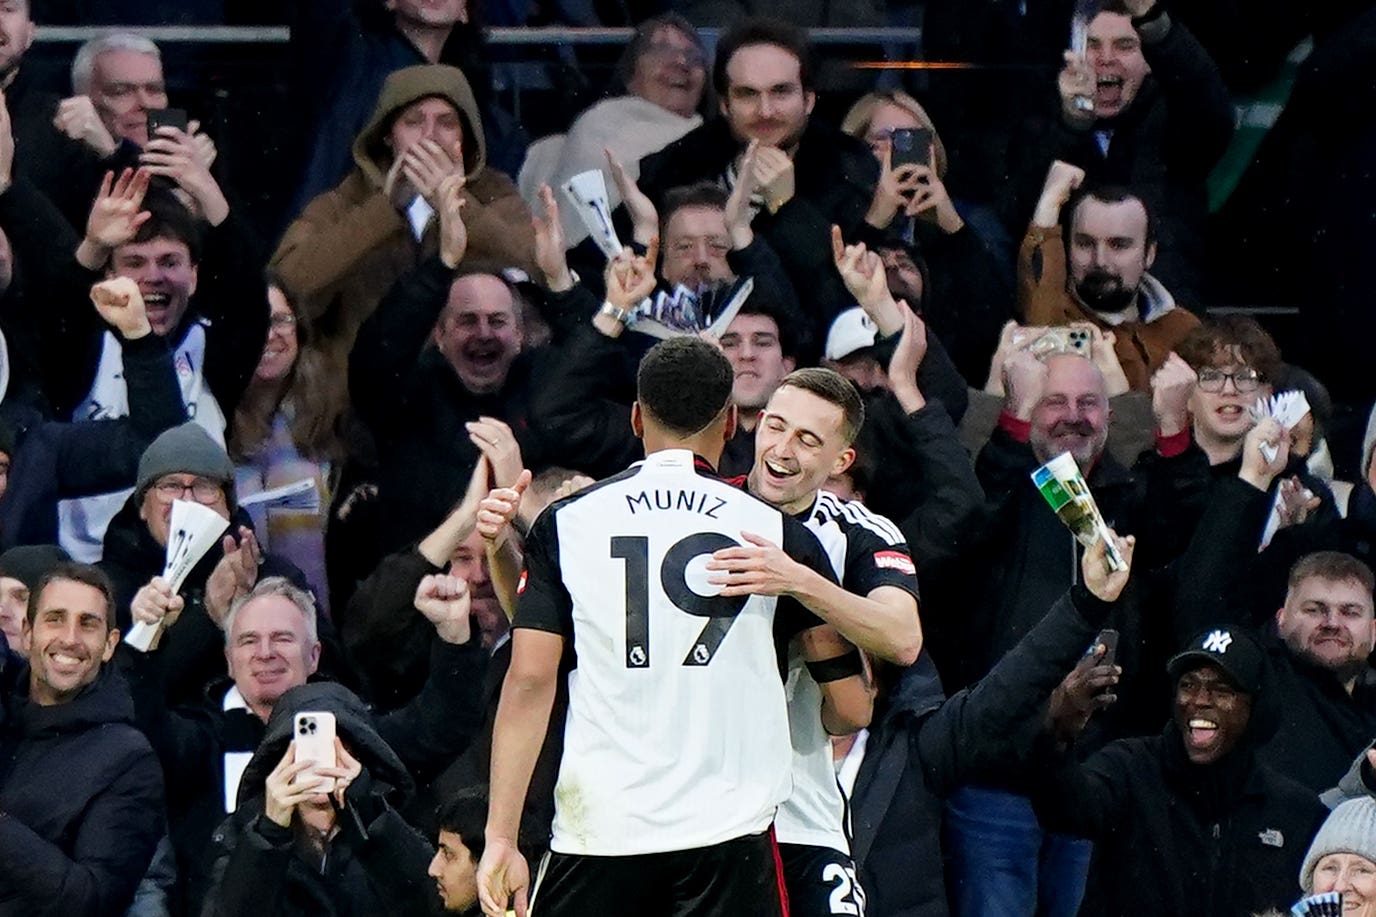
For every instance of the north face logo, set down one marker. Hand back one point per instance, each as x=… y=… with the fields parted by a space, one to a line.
x=1218 y=641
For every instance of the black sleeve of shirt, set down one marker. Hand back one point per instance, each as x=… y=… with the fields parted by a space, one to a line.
x=873 y=561
x=790 y=615
x=543 y=601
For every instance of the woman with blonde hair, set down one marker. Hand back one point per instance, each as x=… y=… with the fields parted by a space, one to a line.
x=936 y=263
x=875 y=116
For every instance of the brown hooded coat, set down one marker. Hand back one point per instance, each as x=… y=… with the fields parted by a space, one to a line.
x=347 y=248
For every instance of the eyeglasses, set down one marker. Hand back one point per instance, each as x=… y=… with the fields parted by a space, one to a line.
x=283 y=320
x=883 y=135
x=202 y=490
x=1244 y=380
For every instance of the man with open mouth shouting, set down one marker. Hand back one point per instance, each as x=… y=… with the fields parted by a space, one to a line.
x=204 y=296
x=1144 y=106
x=1190 y=818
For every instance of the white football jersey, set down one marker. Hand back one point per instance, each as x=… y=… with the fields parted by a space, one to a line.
x=677 y=733
x=866 y=551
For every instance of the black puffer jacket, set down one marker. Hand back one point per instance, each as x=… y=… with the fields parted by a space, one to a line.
x=375 y=864
x=81 y=802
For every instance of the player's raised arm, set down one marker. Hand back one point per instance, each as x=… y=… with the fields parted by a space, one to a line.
x=543 y=621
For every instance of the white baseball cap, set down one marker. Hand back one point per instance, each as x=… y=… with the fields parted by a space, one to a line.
x=850 y=331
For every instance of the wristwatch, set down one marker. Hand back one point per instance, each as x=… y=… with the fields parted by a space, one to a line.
x=621 y=315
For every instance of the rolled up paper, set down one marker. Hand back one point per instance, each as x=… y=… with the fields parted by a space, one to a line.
x=587 y=191
x=1063 y=487
x=191 y=531
x=301 y=495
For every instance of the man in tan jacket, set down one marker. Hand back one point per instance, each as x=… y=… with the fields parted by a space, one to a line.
x=350 y=245
x=1103 y=278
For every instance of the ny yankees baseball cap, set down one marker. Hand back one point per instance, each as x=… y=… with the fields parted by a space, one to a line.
x=1231 y=649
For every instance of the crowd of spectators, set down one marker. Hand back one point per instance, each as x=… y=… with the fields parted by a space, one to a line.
x=433 y=334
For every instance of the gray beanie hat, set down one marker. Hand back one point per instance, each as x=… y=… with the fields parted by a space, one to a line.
x=1350 y=828
x=186 y=449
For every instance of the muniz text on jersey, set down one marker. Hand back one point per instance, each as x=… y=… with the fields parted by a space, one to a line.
x=675 y=499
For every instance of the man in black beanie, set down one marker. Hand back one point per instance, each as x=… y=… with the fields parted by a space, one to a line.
x=20 y=569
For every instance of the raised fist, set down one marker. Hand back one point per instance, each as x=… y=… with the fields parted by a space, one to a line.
x=445 y=602
x=120 y=304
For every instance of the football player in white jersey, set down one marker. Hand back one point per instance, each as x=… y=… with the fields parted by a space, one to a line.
x=677 y=750
x=805 y=435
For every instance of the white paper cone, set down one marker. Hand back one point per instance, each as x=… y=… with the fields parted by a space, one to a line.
x=587 y=191
x=732 y=307
x=191 y=532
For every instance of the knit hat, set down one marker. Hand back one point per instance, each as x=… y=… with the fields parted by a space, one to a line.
x=186 y=449
x=1239 y=656
x=1350 y=828
x=27 y=563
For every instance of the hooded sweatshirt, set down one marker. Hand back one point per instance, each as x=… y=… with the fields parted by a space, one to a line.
x=375 y=863
x=350 y=245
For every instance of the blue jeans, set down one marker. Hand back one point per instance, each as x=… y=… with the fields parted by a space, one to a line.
x=1002 y=864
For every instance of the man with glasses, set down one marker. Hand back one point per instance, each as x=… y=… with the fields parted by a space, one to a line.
x=186 y=464
x=1235 y=361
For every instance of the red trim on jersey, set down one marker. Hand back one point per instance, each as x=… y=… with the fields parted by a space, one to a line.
x=702 y=466
x=895 y=560
x=779 y=872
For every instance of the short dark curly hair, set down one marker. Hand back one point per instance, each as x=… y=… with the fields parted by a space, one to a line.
x=1218 y=341
x=684 y=384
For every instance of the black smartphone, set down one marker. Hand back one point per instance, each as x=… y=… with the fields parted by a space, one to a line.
x=166 y=117
x=1108 y=639
x=911 y=146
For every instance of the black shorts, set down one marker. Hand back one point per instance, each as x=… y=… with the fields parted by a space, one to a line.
x=821 y=882
x=738 y=878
